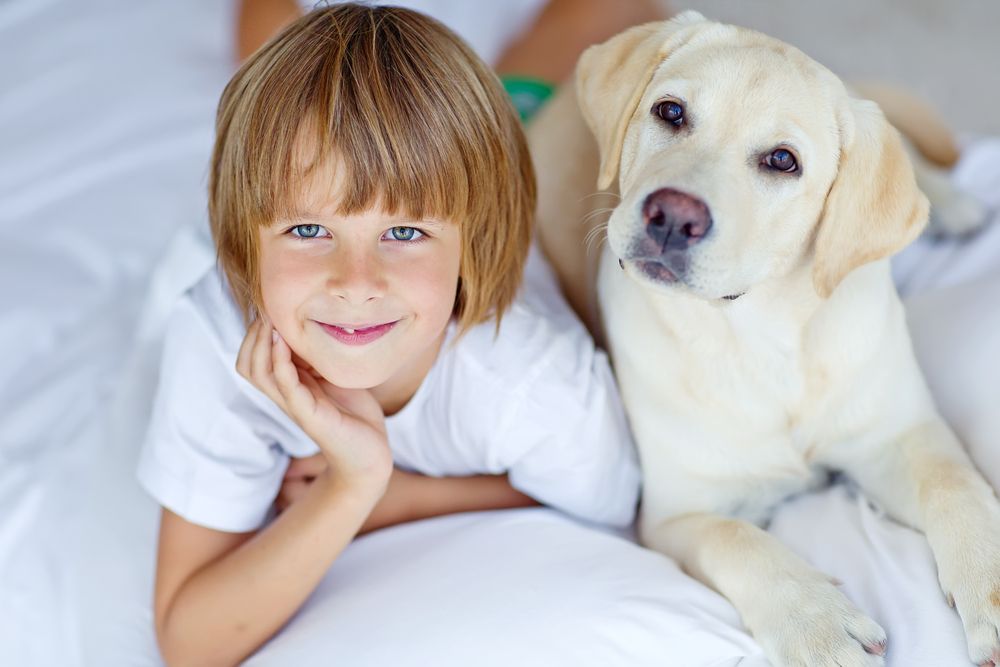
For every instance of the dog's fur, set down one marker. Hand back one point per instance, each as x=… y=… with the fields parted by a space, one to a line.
x=738 y=403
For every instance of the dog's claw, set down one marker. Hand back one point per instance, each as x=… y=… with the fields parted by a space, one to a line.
x=875 y=649
x=621 y=263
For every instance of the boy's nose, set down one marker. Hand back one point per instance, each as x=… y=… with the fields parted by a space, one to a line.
x=357 y=279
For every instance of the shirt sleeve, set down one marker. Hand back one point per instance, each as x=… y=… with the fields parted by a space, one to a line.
x=211 y=454
x=575 y=449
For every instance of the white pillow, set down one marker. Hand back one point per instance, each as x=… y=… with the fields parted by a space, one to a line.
x=517 y=587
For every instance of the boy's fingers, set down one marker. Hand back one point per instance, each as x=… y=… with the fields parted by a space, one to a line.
x=290 y=492
x=309 y=466
x=254 y=359
x=262 y=364
x=299 y=399
x=310 y=382
x=260 y=355
x=246 y=349
x=315 y=390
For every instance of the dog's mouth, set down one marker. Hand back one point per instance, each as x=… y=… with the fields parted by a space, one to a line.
x=661 y=274
x=656 y=271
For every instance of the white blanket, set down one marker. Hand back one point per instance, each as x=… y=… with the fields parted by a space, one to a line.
x=106 y=112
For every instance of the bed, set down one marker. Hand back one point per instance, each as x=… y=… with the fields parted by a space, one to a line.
x=106 y=112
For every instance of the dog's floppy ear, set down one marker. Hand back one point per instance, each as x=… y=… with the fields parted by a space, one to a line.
x=874 y=207
x=611 y=78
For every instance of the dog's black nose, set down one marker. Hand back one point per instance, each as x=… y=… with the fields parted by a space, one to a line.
x=675 y=220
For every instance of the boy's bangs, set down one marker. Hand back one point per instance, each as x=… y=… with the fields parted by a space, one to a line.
x=415 y=160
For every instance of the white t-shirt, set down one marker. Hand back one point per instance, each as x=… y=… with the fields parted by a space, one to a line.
x=537 y=401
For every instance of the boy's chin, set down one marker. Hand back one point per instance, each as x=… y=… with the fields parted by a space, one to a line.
x=355 y=383
x=356 y=378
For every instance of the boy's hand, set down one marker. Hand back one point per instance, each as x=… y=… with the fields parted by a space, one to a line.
x=410 y=496
x=347 y=424
x=395 y=506
x=301 y=472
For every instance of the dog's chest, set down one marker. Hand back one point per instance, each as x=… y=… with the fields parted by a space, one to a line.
x=754 y=371
x=744 y=394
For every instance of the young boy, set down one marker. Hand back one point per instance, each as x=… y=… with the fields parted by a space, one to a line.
x=371 y=198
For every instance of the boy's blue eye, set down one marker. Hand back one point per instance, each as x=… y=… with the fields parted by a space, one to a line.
x=405 y=234
x=307 y=231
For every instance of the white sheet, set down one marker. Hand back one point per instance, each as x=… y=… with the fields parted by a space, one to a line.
x=106 y=115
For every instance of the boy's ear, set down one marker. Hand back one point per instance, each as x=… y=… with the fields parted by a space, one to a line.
x=874 y=207
x=611 y=78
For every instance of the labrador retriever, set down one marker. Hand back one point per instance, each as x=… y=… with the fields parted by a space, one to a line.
x=745 y=295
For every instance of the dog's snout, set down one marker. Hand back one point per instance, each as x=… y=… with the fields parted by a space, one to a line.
x=674 y=219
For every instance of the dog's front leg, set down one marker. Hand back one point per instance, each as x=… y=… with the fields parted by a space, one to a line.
x=927 y=480
x=794 y=611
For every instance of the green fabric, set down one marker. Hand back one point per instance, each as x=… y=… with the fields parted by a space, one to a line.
x=527 y=94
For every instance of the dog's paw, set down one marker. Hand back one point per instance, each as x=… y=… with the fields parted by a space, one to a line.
x=811 y=623
x=973 y=588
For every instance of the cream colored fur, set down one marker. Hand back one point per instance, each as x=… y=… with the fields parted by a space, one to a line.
x=737 y=404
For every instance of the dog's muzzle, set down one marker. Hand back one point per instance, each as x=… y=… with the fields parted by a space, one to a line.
x=673 y=221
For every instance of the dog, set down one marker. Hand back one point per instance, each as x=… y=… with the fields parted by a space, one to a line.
x=745 y=296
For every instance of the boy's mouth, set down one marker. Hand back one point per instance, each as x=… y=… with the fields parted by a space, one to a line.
x=357 y=334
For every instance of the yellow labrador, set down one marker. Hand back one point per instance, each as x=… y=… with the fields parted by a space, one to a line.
x=746 y=298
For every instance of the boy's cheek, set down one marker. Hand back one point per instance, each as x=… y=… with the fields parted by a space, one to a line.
x=280 y=310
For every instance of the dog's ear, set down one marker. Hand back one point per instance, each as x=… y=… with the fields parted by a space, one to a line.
x=874 y=207
x=611 y=78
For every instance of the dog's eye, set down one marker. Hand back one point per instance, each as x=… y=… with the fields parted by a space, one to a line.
x=670 y=111
x=781 y=160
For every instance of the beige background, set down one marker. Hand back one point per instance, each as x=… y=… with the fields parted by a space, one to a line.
x=947 y=51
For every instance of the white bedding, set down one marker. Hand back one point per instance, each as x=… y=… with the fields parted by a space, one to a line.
x=106 y=113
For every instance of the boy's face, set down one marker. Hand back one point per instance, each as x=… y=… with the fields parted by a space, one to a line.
x=363 y=299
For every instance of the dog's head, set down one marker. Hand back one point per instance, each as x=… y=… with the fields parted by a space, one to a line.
x=738 y=158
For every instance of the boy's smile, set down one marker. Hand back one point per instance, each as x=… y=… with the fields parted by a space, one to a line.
x=364 y=299
x=358 y=334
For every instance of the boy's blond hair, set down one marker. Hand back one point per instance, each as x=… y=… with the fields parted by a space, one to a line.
x=413 y=121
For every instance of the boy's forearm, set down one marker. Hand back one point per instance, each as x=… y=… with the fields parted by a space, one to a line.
x=550 y=47
x=231 y=607
x=471 y=494
x=259 y=20
x=412 y=497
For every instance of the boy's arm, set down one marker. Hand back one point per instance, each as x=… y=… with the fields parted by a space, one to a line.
x=411 y=496
x=259 y=20
x=219 y=596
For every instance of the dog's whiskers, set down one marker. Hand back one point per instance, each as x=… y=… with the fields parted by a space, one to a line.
x=596 y=236
x=601 y=193
x=596 y=212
